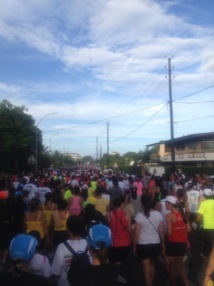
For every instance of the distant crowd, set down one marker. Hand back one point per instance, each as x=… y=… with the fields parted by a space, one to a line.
x=106 y=215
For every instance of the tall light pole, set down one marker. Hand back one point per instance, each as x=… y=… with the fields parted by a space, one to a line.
x=51 y=139
x=171 y=116
x=36 y=147
x=50 y=145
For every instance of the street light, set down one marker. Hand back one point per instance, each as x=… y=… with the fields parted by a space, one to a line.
x=50 y=145
x=51 y=139
x=36 y=149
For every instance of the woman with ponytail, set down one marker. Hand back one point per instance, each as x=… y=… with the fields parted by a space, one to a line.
x=35 y=221
x=101 y=271
x=148 y=238
x=176 y=246
x=21 y=251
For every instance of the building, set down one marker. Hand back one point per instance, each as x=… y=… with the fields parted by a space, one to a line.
x=115 y=153
x=196 y=150
x=74 y=156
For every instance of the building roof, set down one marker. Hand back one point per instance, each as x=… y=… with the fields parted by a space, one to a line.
x=187 y=138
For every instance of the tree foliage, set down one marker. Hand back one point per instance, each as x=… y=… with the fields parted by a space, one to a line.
x=17 y=140
x=87 y=159
x=128 y=159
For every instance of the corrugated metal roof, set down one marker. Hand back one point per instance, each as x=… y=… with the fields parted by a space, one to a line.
x=187 y=138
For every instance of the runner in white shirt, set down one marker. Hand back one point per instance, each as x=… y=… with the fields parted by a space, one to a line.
x=193 y=201
x=40 y=265
x=62 y=258
x=42 y=191
x=31 y=188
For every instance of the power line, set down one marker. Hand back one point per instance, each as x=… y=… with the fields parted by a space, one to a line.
x=106 y=119
x=131 y=112
x=196 y=92
x=198 y=118
x=195 y=102
x=149 y=83
x=139 y=126
x=195 y=42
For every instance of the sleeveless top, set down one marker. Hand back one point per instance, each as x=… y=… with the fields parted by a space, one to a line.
x=119 y=229
x=35 y=225
x=101 y=205
x=179 y=232
x=74 y=207
x=63 y=226
x=48 y=214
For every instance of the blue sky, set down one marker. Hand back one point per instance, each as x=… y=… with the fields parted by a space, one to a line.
x=103 y=61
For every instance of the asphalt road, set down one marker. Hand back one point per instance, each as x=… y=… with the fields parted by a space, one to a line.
x=195 y=266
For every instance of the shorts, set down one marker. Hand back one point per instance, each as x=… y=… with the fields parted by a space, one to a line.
x=145 y=251
x=176 y=248
x=119 y=254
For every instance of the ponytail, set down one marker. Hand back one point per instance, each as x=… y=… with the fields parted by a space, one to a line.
x=147 y=204
x=181 y=211
x=102 y=253
x=19 y=268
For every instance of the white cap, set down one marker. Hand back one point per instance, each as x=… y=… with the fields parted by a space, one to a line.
x=170 y=199
x=207 y=192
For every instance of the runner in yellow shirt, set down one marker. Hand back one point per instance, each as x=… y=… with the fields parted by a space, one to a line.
x=206 y=213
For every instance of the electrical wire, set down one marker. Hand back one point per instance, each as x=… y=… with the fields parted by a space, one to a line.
x=140 y=125
x=120 y=115
x=106 y=119
x=195 y=102
x=196 y=92
x=198 y=118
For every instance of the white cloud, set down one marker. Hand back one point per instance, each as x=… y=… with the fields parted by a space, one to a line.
x=8 y=88
x=107 y=59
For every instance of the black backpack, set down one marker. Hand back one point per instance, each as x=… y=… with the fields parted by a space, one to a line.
x=80 y=260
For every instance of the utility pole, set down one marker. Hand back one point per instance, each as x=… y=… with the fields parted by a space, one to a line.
x=36 y=143
x=101 y=151
x=171 y=115
x=107 y=145
x=97 y=149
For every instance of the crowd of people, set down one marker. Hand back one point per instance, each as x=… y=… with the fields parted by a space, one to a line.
x=107 y=216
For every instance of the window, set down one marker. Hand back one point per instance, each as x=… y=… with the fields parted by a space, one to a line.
x=191 y=145
x=180 y=147
x=208 y=144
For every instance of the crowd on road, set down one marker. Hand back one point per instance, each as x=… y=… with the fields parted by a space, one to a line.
x=46 y=218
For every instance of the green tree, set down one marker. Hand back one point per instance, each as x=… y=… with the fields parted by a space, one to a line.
x=130 y=157
x=146 y=155
x=17 y=140
x=87 y=159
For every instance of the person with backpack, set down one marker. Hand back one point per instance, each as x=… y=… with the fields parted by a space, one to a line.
x=101 y=271
x=64 y=258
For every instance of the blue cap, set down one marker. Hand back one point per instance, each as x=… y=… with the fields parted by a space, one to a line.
x=23 y=246
x=99 y=233
x=18 y=193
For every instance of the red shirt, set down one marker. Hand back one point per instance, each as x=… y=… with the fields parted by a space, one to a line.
x=151 y=185
x=119 y=229
x=179 y=232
